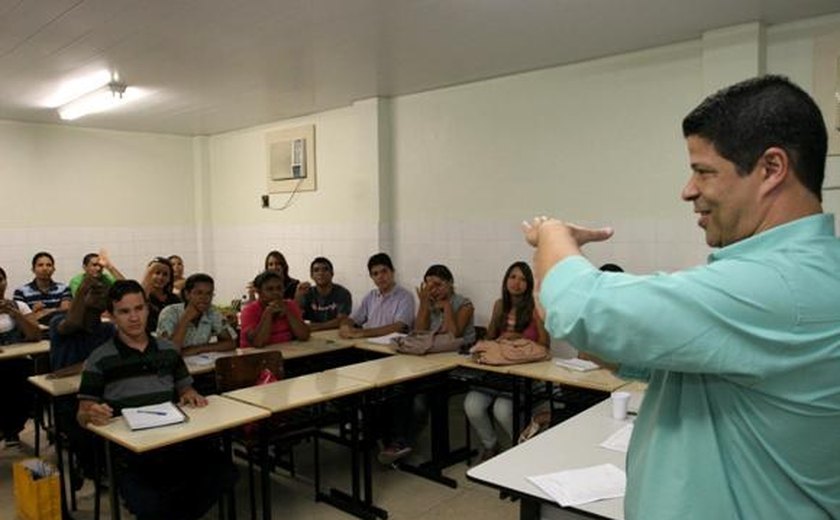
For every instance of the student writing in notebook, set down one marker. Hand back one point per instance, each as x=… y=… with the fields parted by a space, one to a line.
x=135 y=369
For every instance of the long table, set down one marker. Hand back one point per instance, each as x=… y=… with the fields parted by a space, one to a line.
x=29 y=348
x=219 y=415
x=571 y=444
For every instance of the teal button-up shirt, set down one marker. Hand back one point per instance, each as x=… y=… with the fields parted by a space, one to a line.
x=742 y=415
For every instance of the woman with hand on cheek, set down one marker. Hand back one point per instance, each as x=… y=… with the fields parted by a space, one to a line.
x=441 y=308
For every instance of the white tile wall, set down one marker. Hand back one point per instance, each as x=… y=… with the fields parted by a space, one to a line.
x=477 y=252
x=130 y=248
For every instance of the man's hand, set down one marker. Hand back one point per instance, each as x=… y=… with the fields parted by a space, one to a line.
x=192 y=398
x=99 y=413
x=191 y=312
x=302 y=289
x=545 y=228
x=104 y=259
x=555 y=241
x=348 y=332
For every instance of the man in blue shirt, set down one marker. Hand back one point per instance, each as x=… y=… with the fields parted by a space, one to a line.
x=44 y=295
x=742 y=414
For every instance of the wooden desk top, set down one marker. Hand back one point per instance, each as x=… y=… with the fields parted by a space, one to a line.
x=603 y=380
x=290 y=350
x=395 y=369
x=297 y=392
x=29 y=348
x=220 y=414
x=332 y=335
x=57 y=387
x=569 y=445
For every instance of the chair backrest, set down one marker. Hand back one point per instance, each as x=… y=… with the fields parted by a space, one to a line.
x=234 y=372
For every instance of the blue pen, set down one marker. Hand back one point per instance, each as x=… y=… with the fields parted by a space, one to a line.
x=151 y=412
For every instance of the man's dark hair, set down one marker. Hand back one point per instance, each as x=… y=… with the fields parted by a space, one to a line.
x=744 y=120
x=440 y=271
x=121 y=288
x=265 y=276
x=88 y=257
x=321 y=260
x=197 y=278
x=38 y=255
x=380 y=259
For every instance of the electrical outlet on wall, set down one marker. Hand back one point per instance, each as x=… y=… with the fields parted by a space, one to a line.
x=264 y=200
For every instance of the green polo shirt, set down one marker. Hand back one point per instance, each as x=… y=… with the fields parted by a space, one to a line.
x=742 y=415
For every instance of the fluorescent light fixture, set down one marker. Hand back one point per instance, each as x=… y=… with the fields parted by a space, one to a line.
x=112 y=95
x=77 y=87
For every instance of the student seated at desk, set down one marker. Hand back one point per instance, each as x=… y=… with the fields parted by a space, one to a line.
x=43 y=295
x=178 y=279
x=326 y=304
x=275 y=261
x=15 y=393
x=73 y=336
x=388 y=308
x=271 y=319
x=135 y=369
x=191 y=325
x=514 y=316
x=441 y=310
x=158 y=286
x=96 y=265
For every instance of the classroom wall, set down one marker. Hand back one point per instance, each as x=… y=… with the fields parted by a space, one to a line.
x=341 y=219
x=440 y=176
x=71 y=191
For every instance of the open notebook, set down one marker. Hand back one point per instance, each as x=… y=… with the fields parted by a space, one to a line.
x=153 y=416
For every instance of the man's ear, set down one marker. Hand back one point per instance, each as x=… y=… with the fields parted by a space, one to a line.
x=774 y=168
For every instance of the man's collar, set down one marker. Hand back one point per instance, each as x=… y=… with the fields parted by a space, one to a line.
x=122 y=348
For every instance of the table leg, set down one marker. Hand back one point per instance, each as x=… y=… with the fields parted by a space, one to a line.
x=113 y=492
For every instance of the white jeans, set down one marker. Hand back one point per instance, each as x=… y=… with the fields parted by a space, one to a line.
x=477 y=407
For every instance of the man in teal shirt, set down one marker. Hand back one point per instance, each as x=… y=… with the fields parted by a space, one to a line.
x=742 y=415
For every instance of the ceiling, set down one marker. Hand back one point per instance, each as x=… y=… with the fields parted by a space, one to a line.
x=218 y=65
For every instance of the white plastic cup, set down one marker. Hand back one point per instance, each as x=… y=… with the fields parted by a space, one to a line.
x=620 y=402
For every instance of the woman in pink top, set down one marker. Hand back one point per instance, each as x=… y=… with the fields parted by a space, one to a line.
x=271 y=319
x=514 y=316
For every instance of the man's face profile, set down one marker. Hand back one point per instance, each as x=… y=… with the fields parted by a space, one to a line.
x=727 y=203
x=93 y=268
x=130 y=314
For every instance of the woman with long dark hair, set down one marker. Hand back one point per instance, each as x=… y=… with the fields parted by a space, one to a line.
x=514 y=316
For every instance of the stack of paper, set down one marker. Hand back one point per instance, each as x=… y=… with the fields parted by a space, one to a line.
x=153 y=416
x=580 y=365
x=581 y=486
x=620 y=440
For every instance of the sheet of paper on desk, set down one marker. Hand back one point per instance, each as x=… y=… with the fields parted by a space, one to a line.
x=581 y=486
x=208 y=358
x=386 y=339
x=580 y=365
x=620 y=440
x=153 y=416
